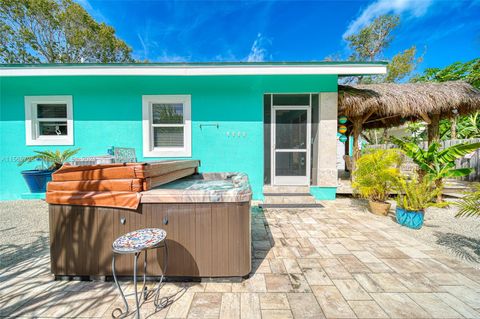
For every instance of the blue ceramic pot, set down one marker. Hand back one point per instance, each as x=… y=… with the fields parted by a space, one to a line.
x=409 y=218
x=37 y=179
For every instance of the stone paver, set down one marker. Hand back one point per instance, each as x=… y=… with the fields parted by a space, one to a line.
x=307 y=263
x=270 y=301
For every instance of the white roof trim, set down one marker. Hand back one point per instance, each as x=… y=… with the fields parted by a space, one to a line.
x=347 y=69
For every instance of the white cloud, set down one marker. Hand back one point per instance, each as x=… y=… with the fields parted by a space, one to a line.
x=144 y=45
x=414 y=8
x=258 y=51
x=171 y=58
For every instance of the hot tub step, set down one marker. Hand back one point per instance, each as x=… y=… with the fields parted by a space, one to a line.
x=309 y=205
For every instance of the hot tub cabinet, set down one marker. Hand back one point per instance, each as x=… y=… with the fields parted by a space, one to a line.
x=207 y=219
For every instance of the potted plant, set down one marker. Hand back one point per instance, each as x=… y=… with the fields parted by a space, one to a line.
x=375 y=178
x=414 y=197
x=38 y=178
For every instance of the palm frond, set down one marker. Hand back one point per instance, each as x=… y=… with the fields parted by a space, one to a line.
x=469 y=205
x=55 y=159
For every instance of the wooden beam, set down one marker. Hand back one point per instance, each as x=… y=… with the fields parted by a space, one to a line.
x=425 y=117
x=367 y=116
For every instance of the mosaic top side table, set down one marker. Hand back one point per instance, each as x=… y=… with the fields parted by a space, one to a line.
x=135 y=243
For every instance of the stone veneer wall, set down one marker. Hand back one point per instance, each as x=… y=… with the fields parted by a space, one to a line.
x=324 y=168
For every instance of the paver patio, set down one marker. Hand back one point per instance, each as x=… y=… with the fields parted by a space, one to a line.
x=311 y=263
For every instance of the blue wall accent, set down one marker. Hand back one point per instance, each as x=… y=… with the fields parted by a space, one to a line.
x=323 y=193
x=107 y=111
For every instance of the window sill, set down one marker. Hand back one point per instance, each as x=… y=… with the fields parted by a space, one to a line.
x=168 y=153
x=46 y=142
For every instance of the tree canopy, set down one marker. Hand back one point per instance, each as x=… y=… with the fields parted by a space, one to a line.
x=468 y=71
x=370 y=43
x=56 y=31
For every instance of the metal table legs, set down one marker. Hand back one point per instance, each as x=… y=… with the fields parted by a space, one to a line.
x=144 y=292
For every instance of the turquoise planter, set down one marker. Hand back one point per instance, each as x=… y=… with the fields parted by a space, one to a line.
x=410 y=219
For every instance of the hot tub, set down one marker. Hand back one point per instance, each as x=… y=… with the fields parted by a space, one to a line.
x=206 y=216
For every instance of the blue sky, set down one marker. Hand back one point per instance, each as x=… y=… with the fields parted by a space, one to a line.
x=160 y=31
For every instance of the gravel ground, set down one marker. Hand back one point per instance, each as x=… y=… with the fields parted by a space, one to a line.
x=458 y=237
x=23 y=230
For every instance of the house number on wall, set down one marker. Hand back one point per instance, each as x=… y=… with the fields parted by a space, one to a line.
x=236 y=134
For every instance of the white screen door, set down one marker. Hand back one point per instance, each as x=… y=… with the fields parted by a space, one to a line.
x=291 y=145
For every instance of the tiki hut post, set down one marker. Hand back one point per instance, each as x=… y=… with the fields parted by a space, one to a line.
x=453 y=130
x=434 y=128
x=357 y=130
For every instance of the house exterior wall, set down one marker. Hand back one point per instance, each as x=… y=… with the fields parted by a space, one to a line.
x=107 y=111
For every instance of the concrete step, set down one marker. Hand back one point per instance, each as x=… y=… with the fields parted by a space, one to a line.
x=289 y=199
x=285 y=189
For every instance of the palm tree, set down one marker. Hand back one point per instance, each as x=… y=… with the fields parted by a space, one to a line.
x=436 y=163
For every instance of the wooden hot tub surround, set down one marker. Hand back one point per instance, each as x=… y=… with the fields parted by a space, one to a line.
x=206 y=217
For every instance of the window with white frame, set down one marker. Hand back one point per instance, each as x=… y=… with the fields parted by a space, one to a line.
x=167 y=126
x=49 y=120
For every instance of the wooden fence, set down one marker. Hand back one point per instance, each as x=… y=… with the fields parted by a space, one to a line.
x=471 y=160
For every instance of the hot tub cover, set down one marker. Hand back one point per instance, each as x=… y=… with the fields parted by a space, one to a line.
x=113 y=185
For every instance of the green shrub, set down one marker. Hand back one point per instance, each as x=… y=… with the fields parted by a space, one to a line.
x=376 y=174
x=417 y=194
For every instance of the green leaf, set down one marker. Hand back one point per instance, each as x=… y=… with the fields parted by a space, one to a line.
x=459 y=172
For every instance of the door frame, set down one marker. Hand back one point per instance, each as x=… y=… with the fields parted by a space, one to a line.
x=273 y=109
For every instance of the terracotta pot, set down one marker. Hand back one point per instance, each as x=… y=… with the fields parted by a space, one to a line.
x=379 y=208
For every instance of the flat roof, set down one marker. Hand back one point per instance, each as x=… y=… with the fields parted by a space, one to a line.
x=196 y=69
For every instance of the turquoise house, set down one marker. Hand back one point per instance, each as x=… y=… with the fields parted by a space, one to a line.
x=277 y=122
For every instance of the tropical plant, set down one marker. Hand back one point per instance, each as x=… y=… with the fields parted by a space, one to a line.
x=418 y=131
x=54 y=159
x=436 y=163
x=469 y=205
x=417 y=193
x=376 y=172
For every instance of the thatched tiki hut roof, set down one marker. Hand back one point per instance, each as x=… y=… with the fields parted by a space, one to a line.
x=390 y=104
x=393 y=104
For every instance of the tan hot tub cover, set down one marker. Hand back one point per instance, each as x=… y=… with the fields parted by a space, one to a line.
x=113 y=185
